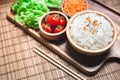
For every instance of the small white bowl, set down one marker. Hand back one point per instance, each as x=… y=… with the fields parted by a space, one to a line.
x=52 y=36
x=89 y=51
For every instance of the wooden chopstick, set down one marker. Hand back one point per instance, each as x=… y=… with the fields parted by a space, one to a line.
x=58 y=64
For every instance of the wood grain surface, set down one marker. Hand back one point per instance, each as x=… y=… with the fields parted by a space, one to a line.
x=87 y=64
x=19 y=62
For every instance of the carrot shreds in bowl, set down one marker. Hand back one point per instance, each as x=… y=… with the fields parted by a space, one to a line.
x=71 y=7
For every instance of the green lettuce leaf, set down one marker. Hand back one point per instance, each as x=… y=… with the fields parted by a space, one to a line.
x=53 y=3
x=29 y=12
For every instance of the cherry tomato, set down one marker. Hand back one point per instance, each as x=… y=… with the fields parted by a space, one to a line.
x=54 y=20
x=58 y=28
x=62 y=21
x=48 y=19
x=47 y=28
x=54 y=23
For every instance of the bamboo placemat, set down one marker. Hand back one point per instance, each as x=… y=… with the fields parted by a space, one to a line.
x=19 y=62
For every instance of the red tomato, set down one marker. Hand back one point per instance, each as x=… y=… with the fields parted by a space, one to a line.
x=54 y=20
x=58 y=28
x=47 y=28
x=62 y=21
x=48 y=19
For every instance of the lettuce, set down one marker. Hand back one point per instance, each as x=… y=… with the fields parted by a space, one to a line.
x=29 y=12
x=53 y=3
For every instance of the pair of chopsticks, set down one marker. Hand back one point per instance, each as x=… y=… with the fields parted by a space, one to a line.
x=58 y=64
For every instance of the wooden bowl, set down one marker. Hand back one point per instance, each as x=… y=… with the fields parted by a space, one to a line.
x=74 y=9
x=89 y=51
x=52 y=36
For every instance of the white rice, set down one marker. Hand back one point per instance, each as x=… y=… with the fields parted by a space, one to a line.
x=85 y=38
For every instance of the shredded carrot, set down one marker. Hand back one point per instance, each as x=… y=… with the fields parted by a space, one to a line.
x=71 y=7
x=93 y=30
x=88 y=19
x=85 y=28
x=95 y=23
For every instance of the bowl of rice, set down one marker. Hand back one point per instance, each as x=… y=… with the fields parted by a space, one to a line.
x=91 y=32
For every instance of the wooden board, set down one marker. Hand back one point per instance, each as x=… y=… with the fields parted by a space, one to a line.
x=107 y=6
x=87 y=64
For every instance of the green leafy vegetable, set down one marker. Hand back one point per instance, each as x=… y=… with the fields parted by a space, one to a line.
x=29 y=12
x=53 y=3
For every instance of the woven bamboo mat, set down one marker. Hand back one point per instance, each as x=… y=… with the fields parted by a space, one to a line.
x=19 y=62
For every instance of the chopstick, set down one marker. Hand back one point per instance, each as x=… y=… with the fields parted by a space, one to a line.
x=58 y=64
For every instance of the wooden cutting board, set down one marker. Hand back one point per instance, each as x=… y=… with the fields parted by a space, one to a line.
x=87 y=64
